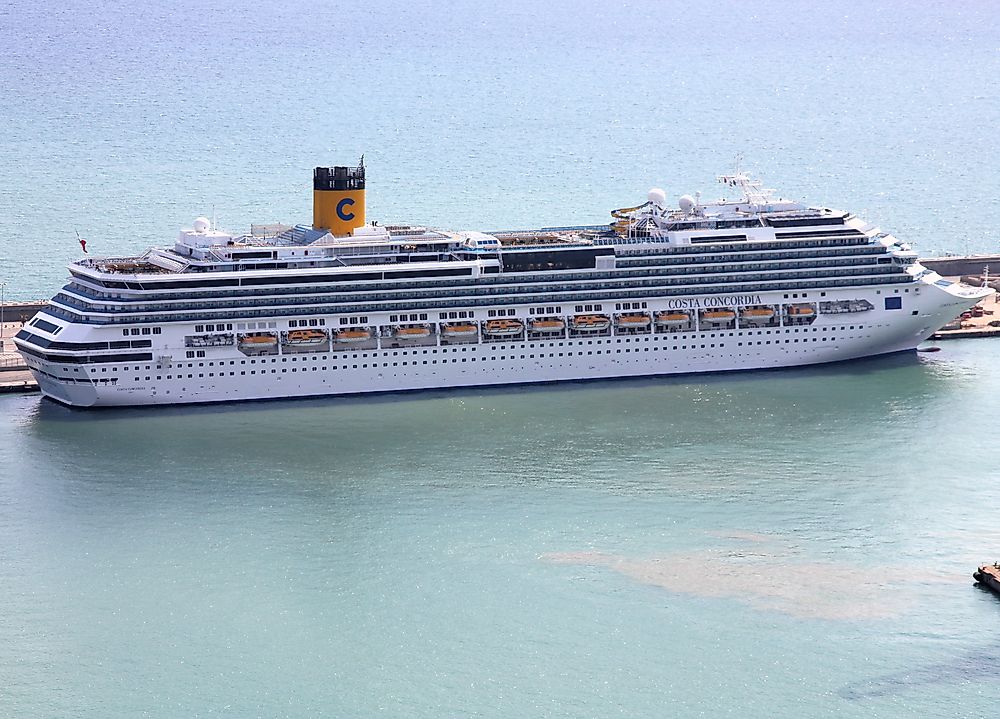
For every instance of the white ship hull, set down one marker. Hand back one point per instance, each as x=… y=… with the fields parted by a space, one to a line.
x=225 y=374
x=200 y=322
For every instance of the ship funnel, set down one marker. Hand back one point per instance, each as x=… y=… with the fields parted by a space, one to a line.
x=339 y=198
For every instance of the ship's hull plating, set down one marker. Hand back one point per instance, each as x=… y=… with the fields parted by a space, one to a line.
x=226 y=374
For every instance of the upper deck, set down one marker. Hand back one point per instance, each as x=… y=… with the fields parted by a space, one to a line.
x=757 y=219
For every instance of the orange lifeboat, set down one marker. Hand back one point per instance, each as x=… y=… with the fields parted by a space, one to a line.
x=411 y=333
x=721 y=315
x=632 y=321
x=590 y=323
x=672 y=319
x=459 y=329
x=757 y=314
x=258 y=341
x=307 y=337
x=801 y=311
x=504 y=328
x=353 y=335
x=548 y=326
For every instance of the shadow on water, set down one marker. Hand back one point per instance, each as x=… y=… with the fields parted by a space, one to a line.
x=709 y=434
x=974 y=665
x=51 y=411
x=605 y=426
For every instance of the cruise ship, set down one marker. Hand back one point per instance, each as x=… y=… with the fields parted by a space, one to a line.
x=349 y=306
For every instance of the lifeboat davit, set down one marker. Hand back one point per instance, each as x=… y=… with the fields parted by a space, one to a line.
x=307 y=337
x=355 y=335
x=411 y=333
x=627 y=321
x=547 y=326
x=590 y=323
x=459 y=330
x=504 y=328
x=672 y=319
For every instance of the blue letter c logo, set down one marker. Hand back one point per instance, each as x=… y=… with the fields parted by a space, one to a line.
x=345 y=216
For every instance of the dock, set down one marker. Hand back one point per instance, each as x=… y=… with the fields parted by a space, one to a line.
x=14 y=373
x=974 y=326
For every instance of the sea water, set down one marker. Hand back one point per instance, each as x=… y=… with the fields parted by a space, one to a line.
x=766 y=544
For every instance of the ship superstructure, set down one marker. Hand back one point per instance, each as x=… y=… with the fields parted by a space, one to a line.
x=345 y=306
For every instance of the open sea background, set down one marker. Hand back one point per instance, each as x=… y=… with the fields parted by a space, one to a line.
x=774 y=544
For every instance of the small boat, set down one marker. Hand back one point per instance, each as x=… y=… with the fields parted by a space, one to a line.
x=672 y=319
x=307 y=337
x=800 y=311
x=411 y=333
x=258 y=341
x=504 y=328
x=988 y=576
x=757 y=314
x=718 y=315
x=548 y=326
x=590 y=323
x=459 y=329
x=354 y=335
x=626 y=321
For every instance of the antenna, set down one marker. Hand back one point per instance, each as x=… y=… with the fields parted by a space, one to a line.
x=214 y=228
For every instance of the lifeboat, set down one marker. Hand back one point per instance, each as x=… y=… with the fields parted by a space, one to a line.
x=757 y=314
x=261 y=341
x=590 y=323
x=307 y=337
x=801 y=311
x=718 y=315
x=672 y=319
x=459 y=330
x=504 y=328
x=547 y=326
x=353 y=335
x=411 y=333
x=627 y=321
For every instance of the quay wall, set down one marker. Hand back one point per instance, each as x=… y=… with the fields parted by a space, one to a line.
x=962 y=266
x=21 y=312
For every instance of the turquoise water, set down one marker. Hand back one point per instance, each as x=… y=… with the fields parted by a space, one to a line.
x=792 y=543
x=797 y=543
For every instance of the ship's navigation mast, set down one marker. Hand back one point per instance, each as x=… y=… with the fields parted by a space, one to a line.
x=755 y=195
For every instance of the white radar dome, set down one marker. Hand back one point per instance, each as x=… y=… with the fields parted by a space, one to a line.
x=658 y=197
x=687 y=204
x=201 y=224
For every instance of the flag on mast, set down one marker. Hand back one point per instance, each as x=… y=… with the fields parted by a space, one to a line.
x=83 y=242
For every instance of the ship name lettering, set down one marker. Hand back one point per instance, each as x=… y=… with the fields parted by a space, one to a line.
x=693 y=303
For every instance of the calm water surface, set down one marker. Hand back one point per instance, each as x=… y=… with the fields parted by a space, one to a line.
x=761 y=545
x=800 y=542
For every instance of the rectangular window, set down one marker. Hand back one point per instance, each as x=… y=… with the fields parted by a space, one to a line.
x=894 y=303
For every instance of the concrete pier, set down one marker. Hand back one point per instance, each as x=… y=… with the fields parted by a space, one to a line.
x=958 y=266
x=14 y=373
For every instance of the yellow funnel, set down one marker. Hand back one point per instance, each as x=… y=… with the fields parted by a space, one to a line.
x=339 y=199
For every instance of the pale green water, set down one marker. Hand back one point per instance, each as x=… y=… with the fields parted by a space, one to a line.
x=795 y=543
x=781 y=544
